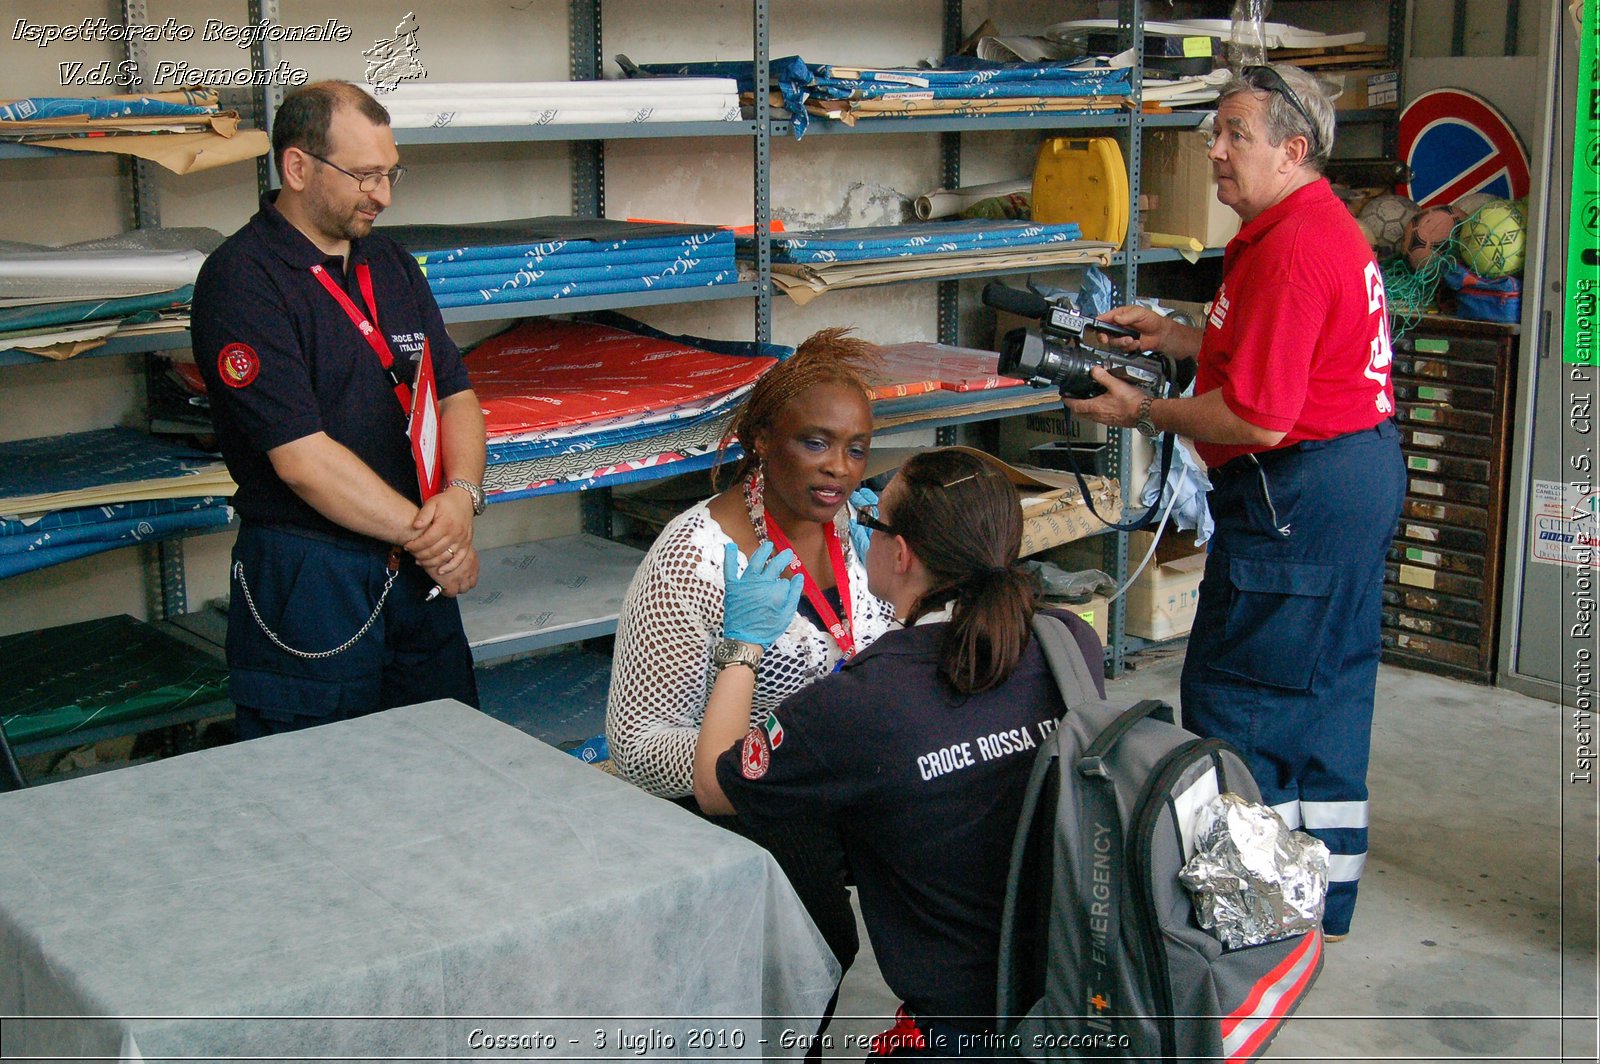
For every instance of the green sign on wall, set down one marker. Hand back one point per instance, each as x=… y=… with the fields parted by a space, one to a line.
x=1583 y=235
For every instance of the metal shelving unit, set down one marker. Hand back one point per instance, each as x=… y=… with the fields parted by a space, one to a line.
x=124 y=345
x=588 y=200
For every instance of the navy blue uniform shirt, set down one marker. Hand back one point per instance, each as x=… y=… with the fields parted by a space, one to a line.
x=282 y=360
x=925 y=787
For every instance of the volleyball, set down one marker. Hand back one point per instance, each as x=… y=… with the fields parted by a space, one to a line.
x=1383 y=219
x=1494 y=240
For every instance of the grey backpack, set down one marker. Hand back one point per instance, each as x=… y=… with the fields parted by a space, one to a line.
x=1100 y=952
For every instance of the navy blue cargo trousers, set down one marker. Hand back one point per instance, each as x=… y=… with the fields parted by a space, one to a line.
x=314 y=592
x=1283 y=656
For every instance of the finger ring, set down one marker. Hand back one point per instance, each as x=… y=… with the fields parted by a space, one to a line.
x=450 y=552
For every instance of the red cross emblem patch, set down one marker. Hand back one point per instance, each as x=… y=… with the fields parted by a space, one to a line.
x=238 y=365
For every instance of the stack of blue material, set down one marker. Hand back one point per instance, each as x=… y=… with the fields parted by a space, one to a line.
x=872 y=243
x=963 y=78
x=558 y=258
x=1044 y=88
x=104 y=458
x=80 y=531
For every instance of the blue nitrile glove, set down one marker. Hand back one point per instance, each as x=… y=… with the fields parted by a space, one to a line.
x=860 y=535
x=758 y=606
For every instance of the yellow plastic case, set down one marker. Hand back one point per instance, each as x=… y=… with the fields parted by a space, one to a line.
x=1082 y=180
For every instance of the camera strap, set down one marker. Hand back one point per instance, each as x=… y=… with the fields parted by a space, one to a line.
x=1148 y=518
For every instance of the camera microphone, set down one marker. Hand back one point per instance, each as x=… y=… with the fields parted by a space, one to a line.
x=1016 y=301
x=1055 y=355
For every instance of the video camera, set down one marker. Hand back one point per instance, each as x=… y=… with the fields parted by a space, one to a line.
x=1056 y=354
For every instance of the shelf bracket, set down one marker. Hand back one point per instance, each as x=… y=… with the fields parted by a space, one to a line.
x=588 y=156
x=166 y=562
x=949 y=292
x=145 y=208
x=266 y=97
x=595 y=505
x=762 y=180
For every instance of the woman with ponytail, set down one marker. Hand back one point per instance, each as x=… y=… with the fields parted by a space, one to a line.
x=918 y=749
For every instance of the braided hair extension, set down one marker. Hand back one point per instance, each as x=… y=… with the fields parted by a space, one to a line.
x=831 y=356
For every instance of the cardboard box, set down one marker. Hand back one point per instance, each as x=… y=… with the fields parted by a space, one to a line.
x=1161 y=603
x=1177 y=174
x=1096 y=612
x=1053 y=511
x=1367 y=90
x=1019 y=435
x=1174 y=544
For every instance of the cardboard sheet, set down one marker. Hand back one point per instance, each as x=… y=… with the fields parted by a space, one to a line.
x=805 y=283
x=182 y=153
x=103 y=466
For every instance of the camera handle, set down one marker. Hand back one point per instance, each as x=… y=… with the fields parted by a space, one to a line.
x=1168 y=441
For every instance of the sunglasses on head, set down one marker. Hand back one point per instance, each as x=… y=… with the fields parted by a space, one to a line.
x=1268 y=80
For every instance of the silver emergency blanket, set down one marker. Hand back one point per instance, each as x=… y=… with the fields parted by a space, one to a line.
x=461 y=883
x=1254 y=880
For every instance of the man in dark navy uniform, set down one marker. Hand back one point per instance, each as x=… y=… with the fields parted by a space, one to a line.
x=308 y=329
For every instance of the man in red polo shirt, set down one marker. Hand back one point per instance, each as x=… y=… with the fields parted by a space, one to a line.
x=1292 y=411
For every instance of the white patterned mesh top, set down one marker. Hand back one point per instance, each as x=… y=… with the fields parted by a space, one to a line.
x=661 y=670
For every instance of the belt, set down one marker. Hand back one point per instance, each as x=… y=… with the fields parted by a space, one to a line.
x=1247 y=462
x=351 y=542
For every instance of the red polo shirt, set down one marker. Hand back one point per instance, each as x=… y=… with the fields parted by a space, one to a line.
x=1298 y=335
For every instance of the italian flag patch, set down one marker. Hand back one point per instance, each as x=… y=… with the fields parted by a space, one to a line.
x=774 y=730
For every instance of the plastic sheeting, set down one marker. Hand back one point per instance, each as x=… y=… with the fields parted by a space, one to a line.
x=547 y=373
x=692 y=276
x=432 y=104
x=60 y=680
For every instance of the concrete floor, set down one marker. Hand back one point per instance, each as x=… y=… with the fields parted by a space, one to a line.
x=1476 y=929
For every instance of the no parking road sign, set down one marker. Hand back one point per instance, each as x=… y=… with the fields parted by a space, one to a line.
x=1455 y=143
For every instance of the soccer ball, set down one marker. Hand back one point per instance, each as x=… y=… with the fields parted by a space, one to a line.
x=1469 y=204
x=1428 y=229
x=1494 y=240
x=1383 y=219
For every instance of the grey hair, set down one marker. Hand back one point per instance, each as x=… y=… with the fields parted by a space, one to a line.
x=1283 y=121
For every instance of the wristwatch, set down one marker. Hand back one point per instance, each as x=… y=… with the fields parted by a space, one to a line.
x=479 y=503
x=1144 y=424
x=736 y=652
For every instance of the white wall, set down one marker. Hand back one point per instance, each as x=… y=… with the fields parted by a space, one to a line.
x=821 y=180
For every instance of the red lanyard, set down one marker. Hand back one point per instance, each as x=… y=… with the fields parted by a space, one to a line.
x=841 y=631
x=369 y=330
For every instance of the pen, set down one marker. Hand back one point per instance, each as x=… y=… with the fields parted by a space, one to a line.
x=433 y=593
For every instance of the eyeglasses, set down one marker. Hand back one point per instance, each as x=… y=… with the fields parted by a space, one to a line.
x=1269 y=80
x=365 y=182
x=866 y=520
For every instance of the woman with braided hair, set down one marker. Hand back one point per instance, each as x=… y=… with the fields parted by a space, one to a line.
x=805 y=429
x=918 y=752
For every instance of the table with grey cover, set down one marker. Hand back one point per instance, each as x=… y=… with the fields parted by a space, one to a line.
x=421 y=883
